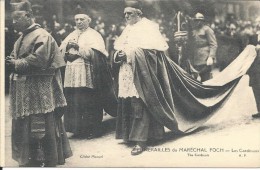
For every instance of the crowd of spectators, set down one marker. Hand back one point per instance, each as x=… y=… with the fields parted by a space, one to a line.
x=232 y=34
x=230 y=27
x=233 y=27
x=107 y=30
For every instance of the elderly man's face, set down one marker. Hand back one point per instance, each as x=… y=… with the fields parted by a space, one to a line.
x=21 y=20
x=82 y=21
x=131 y=16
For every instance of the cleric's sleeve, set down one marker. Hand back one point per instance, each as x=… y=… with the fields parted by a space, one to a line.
x=150 y=37
x=16 y=44
x=21 y=65
x=99 y=44
x=130 y=53
x=114 y=56
x=63 y=49
x=64 y=44
x=12 y=54
x=212 y=42
x=161 y=43
x=86 y=52
x=39 y=57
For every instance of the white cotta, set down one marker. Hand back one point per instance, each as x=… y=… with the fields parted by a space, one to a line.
x=144 y=34
x=79 y=72
x=89 y=38
x=126 y=78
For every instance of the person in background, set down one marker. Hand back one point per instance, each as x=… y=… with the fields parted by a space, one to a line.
x=229 y=46
x=247 y=33
x=205 y=46
x=36 y=94
x=88 y=82
x=254 y=73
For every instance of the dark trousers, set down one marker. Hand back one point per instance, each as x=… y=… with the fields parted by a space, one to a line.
x=204 y=72
x=256 y=90
x=135 y=123
x=35 y=141
x=84 y=113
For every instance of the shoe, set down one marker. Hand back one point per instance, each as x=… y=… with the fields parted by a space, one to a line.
x=257 y=115
x=33 y=163
x=137 y=150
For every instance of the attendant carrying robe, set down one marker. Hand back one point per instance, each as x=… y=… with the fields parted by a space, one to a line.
x=254 y=81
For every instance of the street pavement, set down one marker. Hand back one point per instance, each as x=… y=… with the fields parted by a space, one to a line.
x=231 y=138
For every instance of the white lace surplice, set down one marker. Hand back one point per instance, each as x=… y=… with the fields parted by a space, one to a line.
x=133 y=37
x=126 y=82
x=126 y=77
x=78 y=74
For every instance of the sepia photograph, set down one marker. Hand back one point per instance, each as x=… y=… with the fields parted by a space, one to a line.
x=130 y=83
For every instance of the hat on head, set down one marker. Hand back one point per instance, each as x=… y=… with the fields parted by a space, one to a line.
x=134 y=4
x=199 y=16
x=21 y=5
x=80 y=10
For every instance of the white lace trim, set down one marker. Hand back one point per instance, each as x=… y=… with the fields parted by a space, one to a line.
x=35 y=94
x=126 y=82
x=35 y=112
x=78 y=74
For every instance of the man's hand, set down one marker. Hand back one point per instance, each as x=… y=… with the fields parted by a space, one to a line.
x=73 y=45
x=210 y=61
x=9 y=58
x=121 y=57
x=10 y=63
x=72 y=57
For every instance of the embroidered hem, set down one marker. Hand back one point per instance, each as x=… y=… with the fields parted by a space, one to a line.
x=79 y=75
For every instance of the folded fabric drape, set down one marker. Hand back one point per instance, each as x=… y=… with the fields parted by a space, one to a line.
x=174 y=98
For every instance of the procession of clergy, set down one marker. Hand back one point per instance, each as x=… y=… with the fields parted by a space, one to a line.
x=153 y=91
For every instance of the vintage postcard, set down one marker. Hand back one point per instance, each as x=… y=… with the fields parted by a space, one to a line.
x=130 y=83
